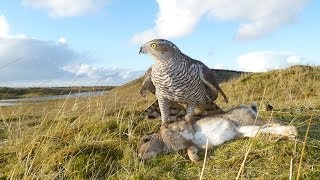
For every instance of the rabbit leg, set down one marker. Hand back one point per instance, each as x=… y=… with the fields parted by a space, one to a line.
x=193 y=154
x=274 y=129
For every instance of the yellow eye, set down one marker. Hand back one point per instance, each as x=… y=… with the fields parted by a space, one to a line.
x=153 y=45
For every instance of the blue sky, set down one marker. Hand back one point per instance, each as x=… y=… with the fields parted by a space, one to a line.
x=96 y=42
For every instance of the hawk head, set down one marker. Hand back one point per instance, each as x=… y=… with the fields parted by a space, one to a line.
x=159 y=48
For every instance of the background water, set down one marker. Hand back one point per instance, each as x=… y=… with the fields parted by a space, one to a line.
x=13 y=102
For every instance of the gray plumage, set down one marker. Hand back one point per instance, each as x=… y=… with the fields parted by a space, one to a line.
x=177 y=109
x=179 y=78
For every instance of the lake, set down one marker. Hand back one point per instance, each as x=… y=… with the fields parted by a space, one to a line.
x=35 y=100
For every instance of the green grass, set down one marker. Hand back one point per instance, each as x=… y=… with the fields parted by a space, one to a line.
x=95 y=137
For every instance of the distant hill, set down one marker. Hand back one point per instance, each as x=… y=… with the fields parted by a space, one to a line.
x=226 y=75
x=222 y=75
x=294 y=86
x=14 y=93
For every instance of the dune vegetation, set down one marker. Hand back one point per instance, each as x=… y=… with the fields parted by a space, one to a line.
x=96 y=137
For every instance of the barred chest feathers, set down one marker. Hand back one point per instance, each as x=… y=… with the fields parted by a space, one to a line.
x=178 y=81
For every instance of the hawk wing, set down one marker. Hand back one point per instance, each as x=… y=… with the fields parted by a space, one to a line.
x=147 y=84
x=208 y=78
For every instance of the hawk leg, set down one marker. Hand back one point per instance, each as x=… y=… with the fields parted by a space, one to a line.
x=164 y=110
x=189 y=112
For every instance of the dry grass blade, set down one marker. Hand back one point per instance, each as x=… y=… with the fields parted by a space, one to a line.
x=291 y=166
x=11 y=62
x=204 y=161
x=244 y=161
x=303 y=149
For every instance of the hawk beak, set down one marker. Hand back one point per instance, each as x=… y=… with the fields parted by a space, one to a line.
x=141 y=50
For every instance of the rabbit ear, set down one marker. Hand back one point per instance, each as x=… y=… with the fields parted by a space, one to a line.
x=144 y=140
x=149 y=137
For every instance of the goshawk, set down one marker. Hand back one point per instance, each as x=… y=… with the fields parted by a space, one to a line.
x=179 y=78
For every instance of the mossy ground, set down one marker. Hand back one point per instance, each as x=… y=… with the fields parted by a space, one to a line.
x=95 y=137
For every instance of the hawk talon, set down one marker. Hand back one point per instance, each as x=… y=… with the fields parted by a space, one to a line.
x=189 y=118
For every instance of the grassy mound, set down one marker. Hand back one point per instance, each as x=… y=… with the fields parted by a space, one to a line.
x=95 y=137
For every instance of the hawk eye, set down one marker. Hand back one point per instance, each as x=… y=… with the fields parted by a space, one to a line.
x=153 y=45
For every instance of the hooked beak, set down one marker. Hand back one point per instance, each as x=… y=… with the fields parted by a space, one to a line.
x=141 y=50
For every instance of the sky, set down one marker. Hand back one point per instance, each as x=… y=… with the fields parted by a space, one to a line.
x=96 y=42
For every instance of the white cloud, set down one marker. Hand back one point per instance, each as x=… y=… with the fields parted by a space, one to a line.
x=178 y=18
x=51 y=64
x=63 y=40
x=47 y=63
x=79 y=69
x=39 y=59
x=294 y=60
x=175 y=19
x=66 y=8
x=262 y=61
x=113 y=76
x=4 y=27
